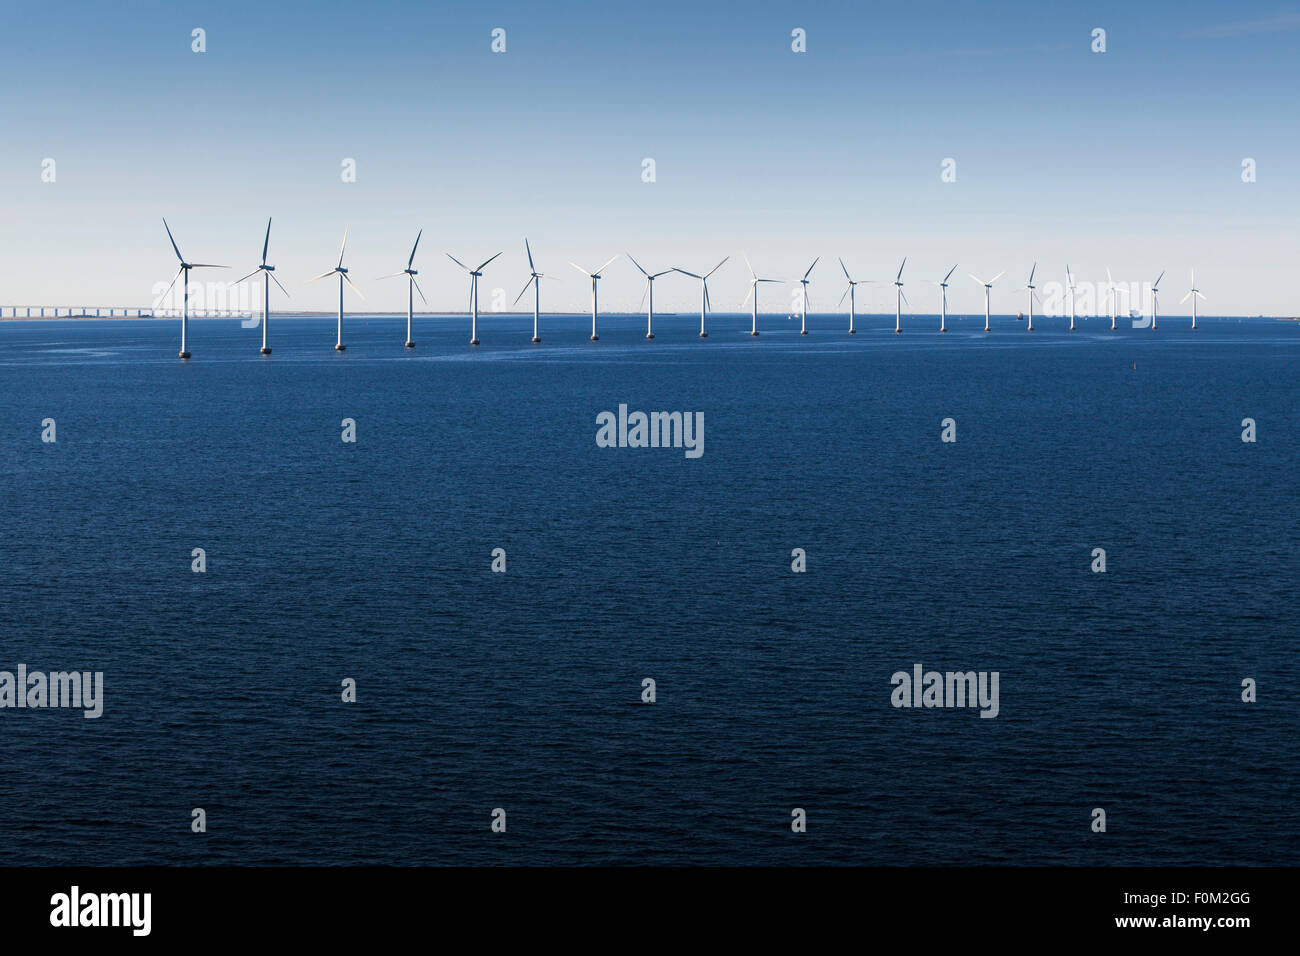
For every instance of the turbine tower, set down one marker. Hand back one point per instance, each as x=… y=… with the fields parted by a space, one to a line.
x=754 y=280
x=535 y=280
x=851 y=291
x=1155 y=300
x=704 y=292
x=474 y=276
x=595 y=277
x=1194 y=294
x=412 y=287
x=1069 y=285
x=988 y=287
x=342 y=273
x=1030 y=287
x=268 y=275
x=943 y=300
x=1111 y=291
x=898 y=300
x=803 y=325
x=649 y=293
x=184 y=269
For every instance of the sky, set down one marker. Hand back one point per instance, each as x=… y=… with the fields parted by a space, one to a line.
x=1129 y=159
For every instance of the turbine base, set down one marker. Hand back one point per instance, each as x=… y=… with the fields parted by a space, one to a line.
x=183 y=355
x=595 y=338
x=649 y=335
x=753 y=333
x=704 y=335
x=473 y=341
x=536 y=340
x=410 y=345
x=803 y=331
x=265 y=350
x=853 y=331
x=340 y=347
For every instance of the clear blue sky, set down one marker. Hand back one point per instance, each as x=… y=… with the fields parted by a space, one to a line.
x=1131 y=158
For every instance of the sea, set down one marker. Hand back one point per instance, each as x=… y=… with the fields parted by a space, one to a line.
x=826 y=539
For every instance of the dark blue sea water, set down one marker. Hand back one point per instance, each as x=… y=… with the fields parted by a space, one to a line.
x=522 y=690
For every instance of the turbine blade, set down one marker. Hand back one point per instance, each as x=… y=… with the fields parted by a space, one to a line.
x=901 y=293
x=175 y=248
x=664 y=273
x=169 y=285
x=249 y=276
x=950 y=272
x=844 y=296
x=685 y=273
x=644 y=292
x=602 y=268
x=323 y=275
x=1184 y=298
x=579 y=268
x=846 y=271
x=529 y=249
x=638 y=265
x=523 y=290
x=343 y=247
x=754 y=275
x=1157 y=282
x=1032 y=271
x=393 y=275
x=348 y=280
x=277 y=282
x=419 y=290
x=458 y=262
x=900 y=269
x=752 y=287
x=810 y=268
x=976 y=278
x=206 y=265
x=266 y=243
x=998 y=276
x=484 y=265
x=716 y=268
x=411 y=261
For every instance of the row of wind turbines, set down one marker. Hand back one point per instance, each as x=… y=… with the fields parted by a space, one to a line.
x=534 y=282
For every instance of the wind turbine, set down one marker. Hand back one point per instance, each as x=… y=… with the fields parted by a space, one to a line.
x=185 y=268
x=268 y=274
x=1030 y=287
x=1155 y=300
x=595 y=277
x=535 y=280
x=704 y=292
x=803 y=326
x=943 y=300
x=1194 y=294
x=474 y=276
x=650 y=294
x=1069 y=285
x=754 y=280
x=1111 y=290
x=898 y=300
x=412 y=287
x=988 y=286
x=343 y=277
x=850 y=291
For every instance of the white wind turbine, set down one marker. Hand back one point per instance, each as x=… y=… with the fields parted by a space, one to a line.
x=1030 y=287
x=412 y=287
x=649 y=294
x=342 y=273
x=474 y=276
x=184 y=269
x=851 y=291
x=899 y=299
x=988 y=287
x=595 y=277
x=943 y=300
x=1194 y=294
x=1155 y=300
x=268 y=274
x=704 y=292
x=535 y=280
x=1112 y=290
x=754 y=280
x=803 y=304
x=1069 y=285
